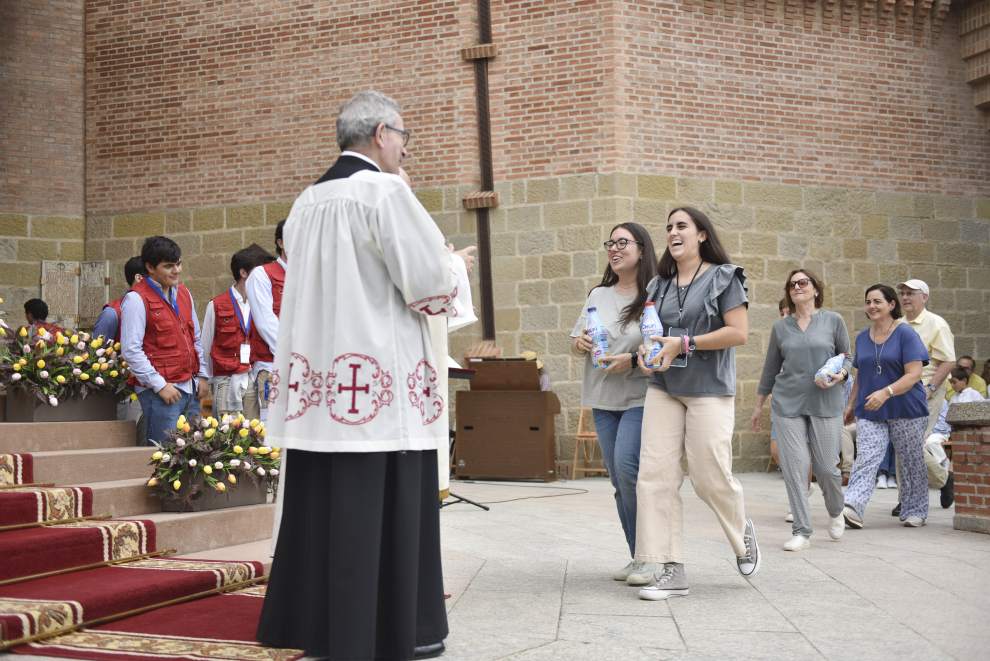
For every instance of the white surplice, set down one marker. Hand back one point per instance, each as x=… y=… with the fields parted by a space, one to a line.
x=356 y=369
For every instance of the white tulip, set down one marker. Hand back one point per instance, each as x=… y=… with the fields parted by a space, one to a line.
x=16 y=376
x=225 y=429
x=99 y=380
x=235 y=462
x=218 y=465
x=261 y=471
x=192 y=462
x=166 y=457
x=43 y=374
x=77 y=371
x=180 y=442
x=81 y=346
x=273 y=471
x=100 y=352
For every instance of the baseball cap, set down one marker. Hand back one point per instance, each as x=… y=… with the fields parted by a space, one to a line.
x=915 y=284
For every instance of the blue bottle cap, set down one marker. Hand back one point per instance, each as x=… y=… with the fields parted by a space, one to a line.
x=592 y=309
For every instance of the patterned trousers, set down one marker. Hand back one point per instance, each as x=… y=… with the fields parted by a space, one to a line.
x=872 y=436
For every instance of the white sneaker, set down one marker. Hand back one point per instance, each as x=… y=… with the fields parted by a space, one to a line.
x=642 y=573
x=790 y=515
x=881 y=482
x=669 y=582
x=836 y=526
x=621 y=574
x=891 y=482
x=851 y=518
x=914 y=522
x=750 y=563
x=797 y=543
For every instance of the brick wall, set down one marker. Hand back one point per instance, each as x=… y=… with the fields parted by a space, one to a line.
x=547 y=254
x=971 y=467
x=41 y=109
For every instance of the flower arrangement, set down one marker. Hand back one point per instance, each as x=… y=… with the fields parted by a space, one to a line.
x=206 y=454
x=54 y=367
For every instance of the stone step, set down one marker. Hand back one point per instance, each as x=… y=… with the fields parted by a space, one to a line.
x=190 y=532
x=123 y=498
x=75 y=467
x=257 y=551
x=31 y=437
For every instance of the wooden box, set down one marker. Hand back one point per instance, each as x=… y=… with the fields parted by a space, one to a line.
x=506 y=433
x=20 y=407
x=245 y=493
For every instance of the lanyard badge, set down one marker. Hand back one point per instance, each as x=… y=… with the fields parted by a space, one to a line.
x=246 y=327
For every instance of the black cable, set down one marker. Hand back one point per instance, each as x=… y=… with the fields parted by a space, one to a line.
x=575 y=491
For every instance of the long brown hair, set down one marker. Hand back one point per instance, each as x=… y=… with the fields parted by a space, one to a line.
x=647 y=271
x=711 y=248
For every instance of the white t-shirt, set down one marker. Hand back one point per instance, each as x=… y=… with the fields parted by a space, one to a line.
x=609 y=391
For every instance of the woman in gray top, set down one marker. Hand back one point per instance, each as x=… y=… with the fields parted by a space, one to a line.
x=690 y=404
x=615 y=394
x=807 y=413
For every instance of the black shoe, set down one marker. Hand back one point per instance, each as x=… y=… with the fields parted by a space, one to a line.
x=896 y=511
x=428 y=651
x=948 y=493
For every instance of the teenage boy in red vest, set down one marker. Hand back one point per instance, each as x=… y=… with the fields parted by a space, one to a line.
x=227 y=349
x=264 y=291
x=108 y=323
x=36 y=312
x=160 y=340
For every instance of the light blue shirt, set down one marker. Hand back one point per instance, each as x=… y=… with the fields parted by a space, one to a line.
x=134 y=317
x=106 y=324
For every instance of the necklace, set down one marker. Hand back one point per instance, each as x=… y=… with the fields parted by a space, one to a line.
x=618 y=286
x=687 y=290
x=887 y=337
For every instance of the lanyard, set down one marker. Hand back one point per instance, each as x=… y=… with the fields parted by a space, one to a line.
x=173 y=304
x=677 y=290
x=240 y=319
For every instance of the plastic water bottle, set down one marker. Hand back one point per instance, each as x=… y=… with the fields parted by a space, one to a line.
x=831 y=369
x=599 y=339
x=651 y=326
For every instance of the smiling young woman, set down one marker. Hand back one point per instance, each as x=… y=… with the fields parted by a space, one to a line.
x=616 y=394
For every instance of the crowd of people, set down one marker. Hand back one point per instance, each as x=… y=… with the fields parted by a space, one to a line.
x=876 y=419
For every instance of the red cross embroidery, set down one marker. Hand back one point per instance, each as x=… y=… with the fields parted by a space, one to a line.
x=354 y=387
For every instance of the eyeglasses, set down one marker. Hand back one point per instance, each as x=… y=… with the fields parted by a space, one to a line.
x=802 y=283
x=405 y=134
x=909 y=294
x=620 y=244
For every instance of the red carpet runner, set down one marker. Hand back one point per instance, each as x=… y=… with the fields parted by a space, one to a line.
x=16 y=469
x=218 y=628
x=33 y=504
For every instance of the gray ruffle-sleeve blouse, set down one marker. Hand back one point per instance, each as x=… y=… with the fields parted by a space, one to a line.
x=793 y=357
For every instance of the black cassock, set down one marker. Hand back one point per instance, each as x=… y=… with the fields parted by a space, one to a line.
x=357 y=573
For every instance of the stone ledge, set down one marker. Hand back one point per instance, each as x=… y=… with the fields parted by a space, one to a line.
x=972 y=523
x=969 y=415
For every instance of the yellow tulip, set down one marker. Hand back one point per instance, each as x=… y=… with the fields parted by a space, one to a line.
x=181 y=421
x=254 y=423
x=2 y=333
x=277 y=449
x=77 y=359
x=253 y=450
x=84 y=376
x=214 y=422
x=40 y=344
x=114 y=373
x=243 y=433
x=116 y=347
x=264 y=450
x=23 y=362
x=208 y=470
x=186 y=428
x=41 y=364
x=59 y=337
x=60 y=351
x=220 y=486
x=23 y=332
x=156 y=456
x=104 y=367
x=209 y=432
x=176 y=485
x=17 y=367
x=153 y=481
x=60 y=378
x=85 y=356
x=274 y=455
x=240 y=418
x=232 y=479
x=74 y=339
x=263 y=432
x=238 y=449
x=134 y=397
x=95 y=344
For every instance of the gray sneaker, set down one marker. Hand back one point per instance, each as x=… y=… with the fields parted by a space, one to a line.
x=670 y=581
x=622 y=574
x=749 y=564
x=641 y=573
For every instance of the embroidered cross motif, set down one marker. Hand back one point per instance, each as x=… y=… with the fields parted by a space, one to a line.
x=425 y=305
x=354 y=387
x=307 y=387
x=424 y=392
x=367 y=384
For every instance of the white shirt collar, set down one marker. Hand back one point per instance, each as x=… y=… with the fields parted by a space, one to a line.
x=282 y=262
x=237 y=295
x=361 y=156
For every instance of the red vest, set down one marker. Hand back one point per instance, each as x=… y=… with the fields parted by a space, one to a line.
x=116 y=308
x=169 y=341
x=259 y=348
x=227 y=338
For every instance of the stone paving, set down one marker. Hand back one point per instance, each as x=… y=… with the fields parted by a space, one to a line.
x=531 y=581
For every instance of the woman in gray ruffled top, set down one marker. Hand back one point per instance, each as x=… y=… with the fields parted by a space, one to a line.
x=690 y=402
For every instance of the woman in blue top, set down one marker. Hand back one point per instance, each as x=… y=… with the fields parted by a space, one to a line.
x=888 y=403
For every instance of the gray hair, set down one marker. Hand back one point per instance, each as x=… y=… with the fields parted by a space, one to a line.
x=360 y=116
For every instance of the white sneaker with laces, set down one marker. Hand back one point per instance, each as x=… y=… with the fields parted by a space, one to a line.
x=891 y=481
x=881 y=482
x=749 y=564
x=642 y=573
x=836 y=526
x=797 y=543
x=914 y=522
x=670 y=581
x=622 y=574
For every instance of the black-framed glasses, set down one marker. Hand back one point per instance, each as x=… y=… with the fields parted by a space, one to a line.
x=620 y=244
x=405 y=134
x=802 y=283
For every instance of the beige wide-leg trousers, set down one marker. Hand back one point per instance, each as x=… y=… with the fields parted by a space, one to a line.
x=702 y=428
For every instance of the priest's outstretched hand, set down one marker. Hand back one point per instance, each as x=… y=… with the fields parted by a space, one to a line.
x=465 y=255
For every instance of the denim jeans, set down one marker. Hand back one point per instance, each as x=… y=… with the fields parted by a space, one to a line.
x=619 y=438
x=159 y=416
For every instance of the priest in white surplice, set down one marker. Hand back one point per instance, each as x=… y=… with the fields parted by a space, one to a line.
x=357 y=407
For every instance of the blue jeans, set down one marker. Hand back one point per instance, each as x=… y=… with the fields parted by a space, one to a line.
x=888 y=464
x=160 y=417
x=619 y=438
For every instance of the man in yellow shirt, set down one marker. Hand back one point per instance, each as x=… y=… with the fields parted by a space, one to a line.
x=975 y=382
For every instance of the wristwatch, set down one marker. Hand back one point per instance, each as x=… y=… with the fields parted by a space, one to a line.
x=931 y=387
x=691 y=346
x=635 y=360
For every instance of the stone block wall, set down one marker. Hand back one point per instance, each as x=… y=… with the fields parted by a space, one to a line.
x=547 y=250
x=26 y=240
